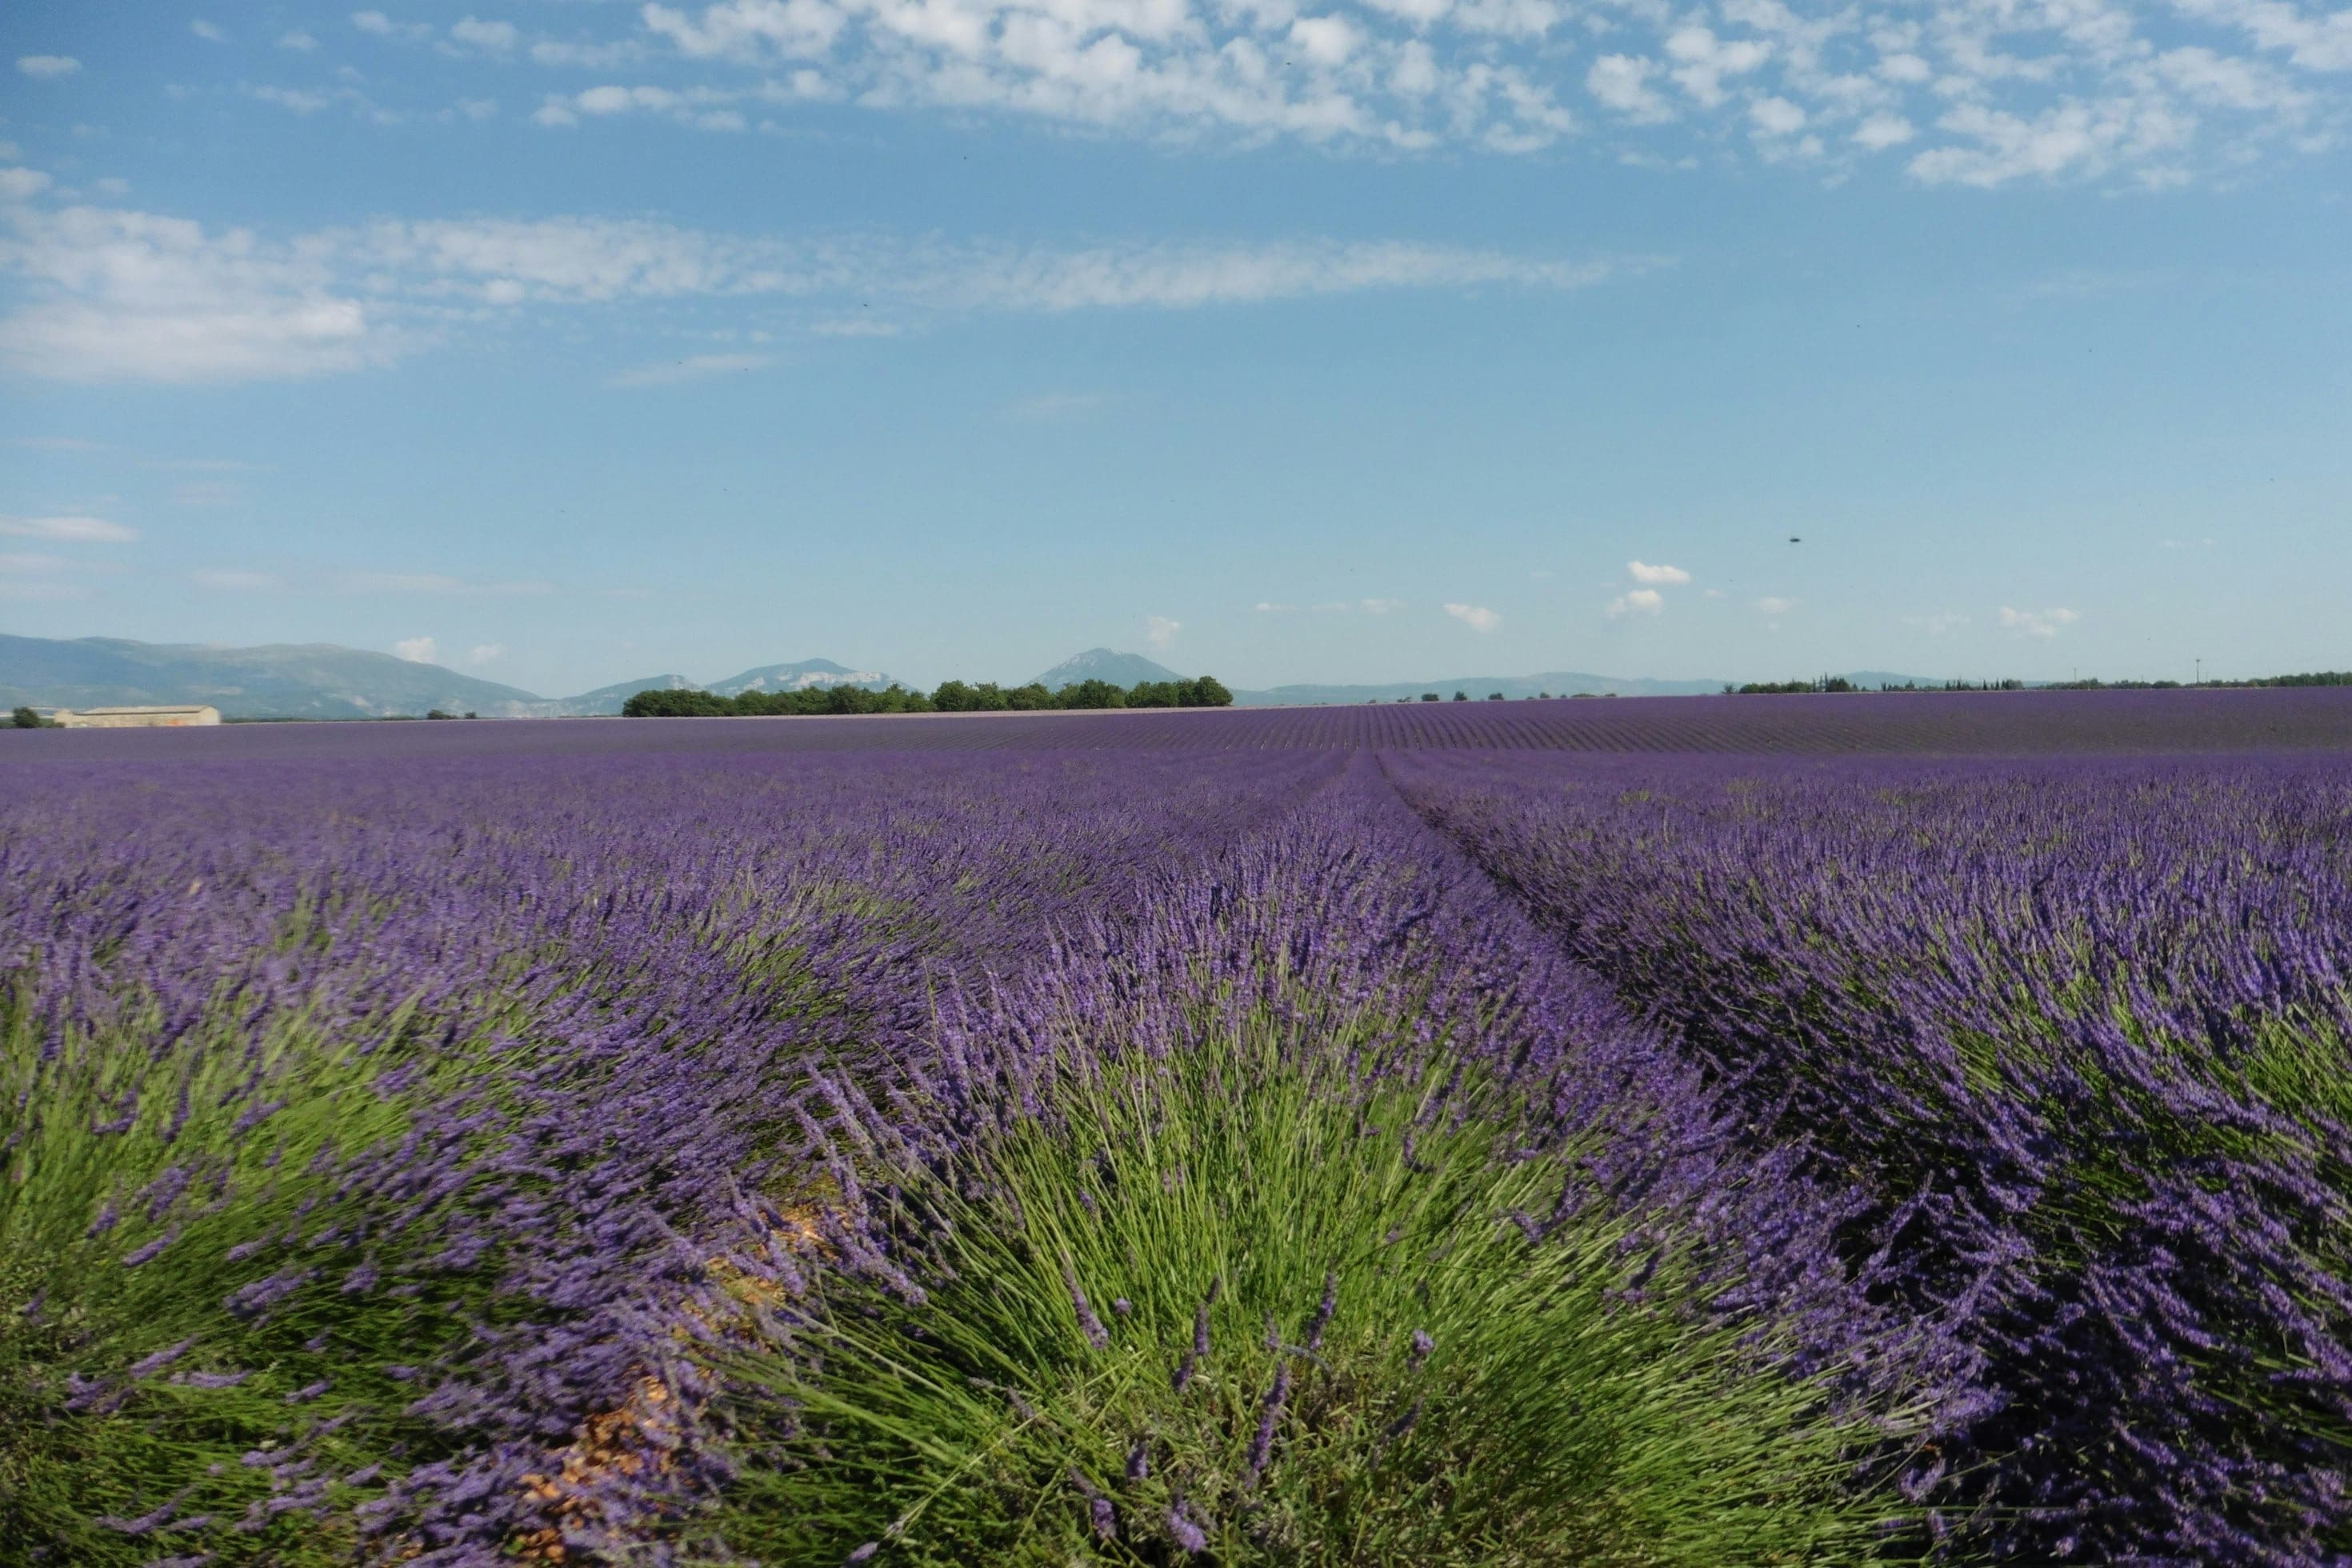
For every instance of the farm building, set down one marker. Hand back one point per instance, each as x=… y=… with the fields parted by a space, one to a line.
x=164 y=718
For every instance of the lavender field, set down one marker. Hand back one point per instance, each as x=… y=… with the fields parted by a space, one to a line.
x=1699 y=1132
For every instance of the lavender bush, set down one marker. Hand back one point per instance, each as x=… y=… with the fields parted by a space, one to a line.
x=2082 y=1033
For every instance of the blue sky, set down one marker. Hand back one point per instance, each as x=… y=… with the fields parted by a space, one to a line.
x=1287 y=340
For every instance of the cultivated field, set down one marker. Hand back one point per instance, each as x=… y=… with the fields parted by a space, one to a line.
x=1694 y=1132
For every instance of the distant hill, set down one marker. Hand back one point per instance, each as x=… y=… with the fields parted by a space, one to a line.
x=1105 y=664
x=1558 y=683
x=799 y=676
x=281 y=680
x=605 y=700
x=321 y=681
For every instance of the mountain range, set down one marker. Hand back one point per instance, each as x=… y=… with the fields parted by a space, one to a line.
x=321 y=680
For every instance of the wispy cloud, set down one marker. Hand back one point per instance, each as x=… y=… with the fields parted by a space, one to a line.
x=47 y=68
x=431 y=582
x=1161 y=632
x=486 y=653
x=69 y=530
x=2038 y=623
x=1637 y=601
x=1971 y=95
x=694 y=367
x=1642 y=572
x=1478 y=617
x=117 y=295
x=1048 y=407
x=416 y=651
x=1939 y=624
x=1774 y=605
x=1333 y=607
x=232 y=579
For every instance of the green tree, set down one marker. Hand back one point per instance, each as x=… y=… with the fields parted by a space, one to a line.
x=1203 y=691
x=1157 y=694
x=25 y=719
x=1090 y=693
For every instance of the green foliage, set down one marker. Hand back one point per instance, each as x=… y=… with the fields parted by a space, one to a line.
x=953 y=696
x=1429 y=697
x=25 y=719
x=137 y=1180
x=1785 y=688
x=1467 y=1395
x=1090 y=693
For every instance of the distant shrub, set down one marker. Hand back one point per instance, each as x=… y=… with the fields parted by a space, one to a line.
x=953 y=696
x=25 y=719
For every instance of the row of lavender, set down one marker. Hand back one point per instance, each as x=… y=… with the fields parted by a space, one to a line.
x=2079 y=1031
x=372 y=1120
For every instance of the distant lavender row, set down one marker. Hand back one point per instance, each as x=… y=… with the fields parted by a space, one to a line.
x=1956 y=723
x=2083 y=1030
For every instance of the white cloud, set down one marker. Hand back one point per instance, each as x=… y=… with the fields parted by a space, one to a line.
x=1643 y=572
x=117 y=295
x=69 y=530
x=298 y=40
x=1161 y=632
x=2051 y=89
x=130 y=296
x=693 y=367
x=233 y=580
x=1177 y=276
x=431 y=582
x=1880 y=132
x=859 y=326
x=47 y=68
x=486 y=653
x=1622 y=82
x=1938 y=625
x=22 y=184
x=57 y=443
x=1774 y=605
x=206 y=31
x=493 y=38
x=1478 y=617
x=2037 y=623
x=1637 y=601
x=1363 y=606
x=374 y=22
x=301 y=100
x=416 y=651
x=587 y=55
x=1703 y=61
x=1776 y=116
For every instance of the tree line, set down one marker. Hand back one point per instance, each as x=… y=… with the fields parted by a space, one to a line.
x=951 y=697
